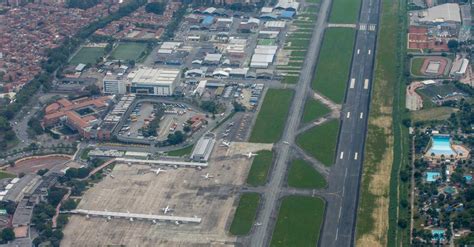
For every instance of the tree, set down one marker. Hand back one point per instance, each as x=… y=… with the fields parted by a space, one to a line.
x=209 y=106
x=176 y=138
x=155 y=7
x=8 y=234
x=402 y=223
x=453 y=44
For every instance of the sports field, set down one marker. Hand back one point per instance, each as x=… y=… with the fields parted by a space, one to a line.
x=274 y=110
x=299 y=222
x=320 y=141
x=302 y=175
x=344 y=11
x=259 y=171
x=129 y=51
x=87 y=55
x=332 y=69
x=245 y=214
x=313 y=110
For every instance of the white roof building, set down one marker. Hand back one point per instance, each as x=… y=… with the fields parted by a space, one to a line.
x=275 y=24
x=448 y=12
x=159 y=82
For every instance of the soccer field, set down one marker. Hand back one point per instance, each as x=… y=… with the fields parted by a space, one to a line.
x=87 y=55
x=128 y=51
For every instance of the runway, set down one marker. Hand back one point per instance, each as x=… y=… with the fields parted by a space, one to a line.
x=345 y=175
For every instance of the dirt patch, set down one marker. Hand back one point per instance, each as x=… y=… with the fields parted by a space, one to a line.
x=35 y=163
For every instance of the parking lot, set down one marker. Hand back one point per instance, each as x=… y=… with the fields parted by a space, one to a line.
x=174 y=117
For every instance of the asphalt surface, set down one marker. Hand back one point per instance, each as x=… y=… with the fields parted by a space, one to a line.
x=262 y=234
x=344 y=177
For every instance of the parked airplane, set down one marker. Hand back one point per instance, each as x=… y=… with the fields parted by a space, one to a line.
x=258 y=224
x=285 y=142
x=207 y=176
x=157 y=171
x=167 y=209
x=250 y=155
x=225 y=144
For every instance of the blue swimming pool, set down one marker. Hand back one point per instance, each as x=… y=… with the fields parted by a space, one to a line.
x=441 y=145
x=437 y=234
x=432 y=176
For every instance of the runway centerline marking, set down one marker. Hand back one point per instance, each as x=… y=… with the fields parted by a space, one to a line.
x=341 y=156
x=366 y=84
x=348 y=114
x=361 y=115
x=355 y=155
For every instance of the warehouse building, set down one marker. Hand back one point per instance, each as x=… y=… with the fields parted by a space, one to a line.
x=448 y=13
x=159 y=82
x=203 y=148
x=263 y=56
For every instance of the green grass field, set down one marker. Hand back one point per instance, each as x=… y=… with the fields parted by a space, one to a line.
x=320 y=141
x=181 y=152
x=274 y=110
x=313 y=110
x=438 y=113
x=128 y=51
x=290 y=79
x=302 y=175
x=416 y=64
x=87 y=55
x=260 y=166
x=299 y=222
x=6 y=175
x=298 y=43
x=298 y=54
x=266 y=42
x=245 y=214
x=332 y=70
x=344 y=11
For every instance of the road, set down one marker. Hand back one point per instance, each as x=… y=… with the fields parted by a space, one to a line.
x=344 y=177
x=262 y=234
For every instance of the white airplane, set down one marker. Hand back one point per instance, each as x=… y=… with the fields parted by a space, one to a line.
x=109 y=218
x=250 y=155
x=177 y=222
x=225 y=144
x=285 y=142
x=131 y=219
x=207 y=176
x=154 y=221
x=112 y=176
x=258 y=224
x=167 y=209
x=157 y=171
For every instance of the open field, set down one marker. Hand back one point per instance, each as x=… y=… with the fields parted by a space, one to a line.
x=274 y=110
x=260 y=166
x=128 y=51
x=344 y=11
x=87 y=55
x=245 y=214
x=302 y=175
x=138 y=190
x=181 y=152
x=313 y=110
x=290 y=79
x=373 y=212
x=320 y=141
x=332 y=69
x=299 y=222
x=438 y=113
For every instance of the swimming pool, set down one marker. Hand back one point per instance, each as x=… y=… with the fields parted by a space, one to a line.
x=432 y=176
x=441 y=145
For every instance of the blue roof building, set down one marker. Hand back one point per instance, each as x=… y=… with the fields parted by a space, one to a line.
x=208 y=20
x=287 y=14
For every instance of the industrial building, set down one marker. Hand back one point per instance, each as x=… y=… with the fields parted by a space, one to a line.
x=459 y=68
x=448 y=13
x=159 y=82
x=203 y=148
x=263 y=56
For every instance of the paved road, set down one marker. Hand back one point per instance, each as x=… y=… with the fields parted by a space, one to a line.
x=262 y=234
x=344 y=177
